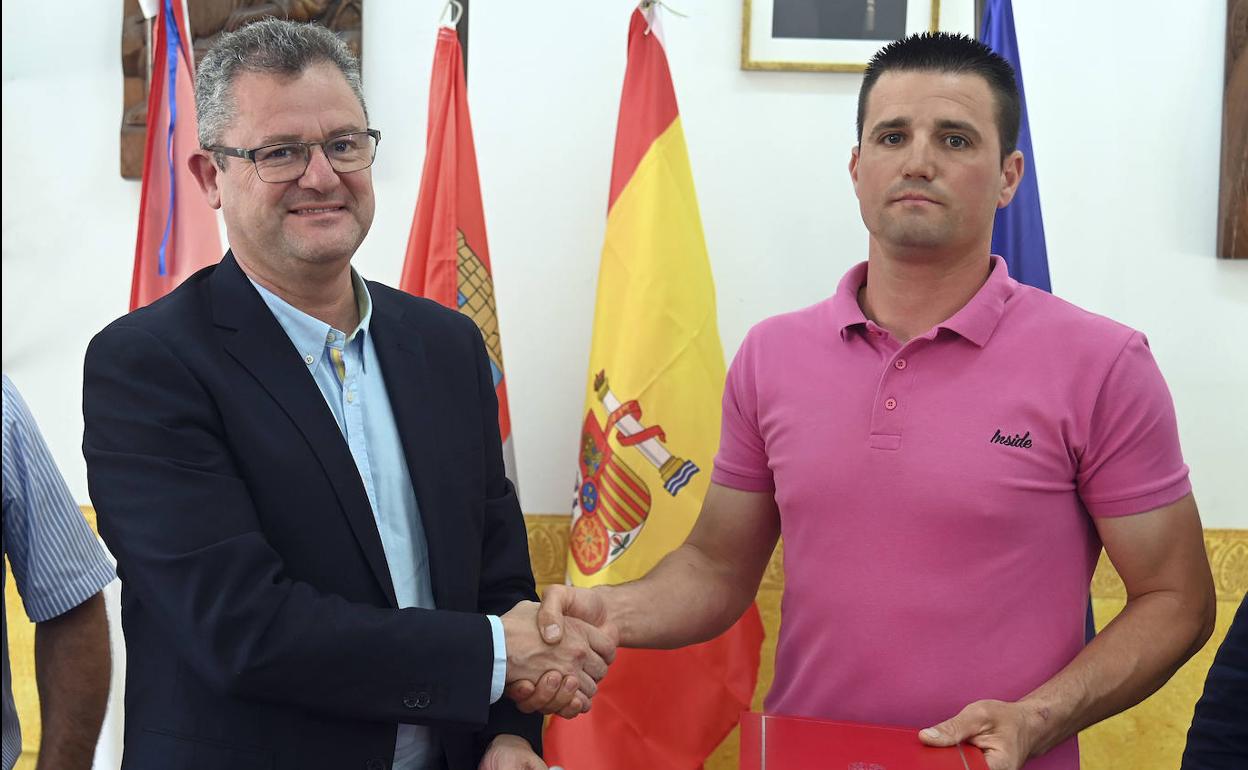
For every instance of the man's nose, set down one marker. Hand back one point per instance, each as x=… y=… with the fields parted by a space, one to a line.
x=920 y=160
x=319 y=175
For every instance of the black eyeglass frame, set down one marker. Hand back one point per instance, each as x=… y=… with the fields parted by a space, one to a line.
x=245 y=154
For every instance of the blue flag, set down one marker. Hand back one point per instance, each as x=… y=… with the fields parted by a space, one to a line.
x=1018 y=232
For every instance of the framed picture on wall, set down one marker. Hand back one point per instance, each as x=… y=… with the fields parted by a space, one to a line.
x=827 y=35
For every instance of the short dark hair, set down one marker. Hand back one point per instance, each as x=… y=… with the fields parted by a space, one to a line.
x=955 y=54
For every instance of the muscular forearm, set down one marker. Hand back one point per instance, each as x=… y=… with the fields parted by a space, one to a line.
x=1134 y=656
x=687 y=598
x=72 y=668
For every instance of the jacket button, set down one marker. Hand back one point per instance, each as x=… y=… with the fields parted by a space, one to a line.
x=416 y=700
x=375 y=764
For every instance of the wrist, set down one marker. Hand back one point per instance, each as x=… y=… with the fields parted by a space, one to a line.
x=517 y=623
x=507 y=740
x=614 y=600
x=1041 y=726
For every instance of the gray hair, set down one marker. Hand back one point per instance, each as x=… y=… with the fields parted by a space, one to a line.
x=272 y=46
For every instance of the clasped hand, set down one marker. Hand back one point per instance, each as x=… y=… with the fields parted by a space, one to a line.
x=558 y=652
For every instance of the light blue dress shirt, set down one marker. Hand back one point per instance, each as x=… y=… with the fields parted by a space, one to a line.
x=346 y=369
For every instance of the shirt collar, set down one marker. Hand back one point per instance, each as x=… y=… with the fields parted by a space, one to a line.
x=976 y=321
x=310 y=335
x=846 y=312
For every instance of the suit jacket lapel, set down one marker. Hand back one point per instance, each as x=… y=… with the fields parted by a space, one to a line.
x=406 y=369
x=262 y=347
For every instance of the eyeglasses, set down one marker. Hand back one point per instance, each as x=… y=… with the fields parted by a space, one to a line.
x=287 y=161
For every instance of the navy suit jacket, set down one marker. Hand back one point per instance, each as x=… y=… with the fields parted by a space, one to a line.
x=260 y=620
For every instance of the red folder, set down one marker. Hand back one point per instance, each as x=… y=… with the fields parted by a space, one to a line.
x=770 y=742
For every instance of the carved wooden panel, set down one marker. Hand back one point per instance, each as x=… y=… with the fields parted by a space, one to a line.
x=208 y=19
x=1233 y=198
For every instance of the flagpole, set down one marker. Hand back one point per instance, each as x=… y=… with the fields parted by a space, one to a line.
x=461 y=29
x=458 y=22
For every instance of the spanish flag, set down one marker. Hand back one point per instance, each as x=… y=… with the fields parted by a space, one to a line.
x=177 y=232
x=651 y=429
x=448 y=258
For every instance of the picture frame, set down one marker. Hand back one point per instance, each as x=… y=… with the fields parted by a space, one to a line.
x=827 y=35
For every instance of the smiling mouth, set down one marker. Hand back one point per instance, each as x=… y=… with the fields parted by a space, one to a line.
x=306 y=212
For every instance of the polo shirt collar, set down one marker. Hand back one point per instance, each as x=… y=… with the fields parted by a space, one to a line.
x=976 y=321
x=846 y=312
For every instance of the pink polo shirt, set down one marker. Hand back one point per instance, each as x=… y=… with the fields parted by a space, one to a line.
x=935 y=497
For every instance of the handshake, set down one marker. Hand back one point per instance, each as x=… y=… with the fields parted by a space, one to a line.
x=558 y=651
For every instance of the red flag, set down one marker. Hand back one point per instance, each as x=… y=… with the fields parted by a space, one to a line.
x=448 y=257
x=177 y=228
x=655 y=383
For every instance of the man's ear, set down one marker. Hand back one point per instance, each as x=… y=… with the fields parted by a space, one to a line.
x=853 y=165
x=205 y=172
x=1011 y=174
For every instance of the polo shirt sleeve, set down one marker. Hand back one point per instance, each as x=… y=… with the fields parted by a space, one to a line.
x=1132 y=462
x=742 y=459
x=57 y=561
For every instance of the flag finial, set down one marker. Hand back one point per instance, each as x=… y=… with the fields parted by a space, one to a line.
x=457 y=12
x=646 y=5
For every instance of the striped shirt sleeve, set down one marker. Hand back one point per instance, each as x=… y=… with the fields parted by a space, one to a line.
x=58 y=563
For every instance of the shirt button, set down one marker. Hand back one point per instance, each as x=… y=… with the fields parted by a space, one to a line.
x=350 y=396
x=308 y=360
x=329 y=337
x=900 y=363
x=890 y=404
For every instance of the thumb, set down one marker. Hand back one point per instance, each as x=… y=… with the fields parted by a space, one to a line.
x=948 y=733
x=550 y=614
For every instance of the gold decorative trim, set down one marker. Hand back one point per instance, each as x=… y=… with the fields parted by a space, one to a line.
x=548 y=545
x=1227 y=549
x=548 y=550
x=1228 y=558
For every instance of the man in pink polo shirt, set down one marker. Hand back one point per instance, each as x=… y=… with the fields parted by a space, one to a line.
x=945 y=452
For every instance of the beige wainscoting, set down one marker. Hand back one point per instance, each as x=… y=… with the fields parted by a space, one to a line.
x=1151 y=735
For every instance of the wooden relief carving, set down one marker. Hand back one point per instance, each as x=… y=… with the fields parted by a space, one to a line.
x=208 y=19
x=1233 y=197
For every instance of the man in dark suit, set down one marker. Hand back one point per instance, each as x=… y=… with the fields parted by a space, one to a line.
x=300 y=472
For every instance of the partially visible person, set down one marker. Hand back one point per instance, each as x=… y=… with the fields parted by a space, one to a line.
x=1218 y=737
x=60 y=569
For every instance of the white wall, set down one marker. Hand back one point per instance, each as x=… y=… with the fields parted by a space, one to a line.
x=1126 y=120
